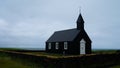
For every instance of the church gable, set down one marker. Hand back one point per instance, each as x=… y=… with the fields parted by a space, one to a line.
x=82 y=35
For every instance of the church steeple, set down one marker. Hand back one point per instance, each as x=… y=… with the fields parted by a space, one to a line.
x=80 y=23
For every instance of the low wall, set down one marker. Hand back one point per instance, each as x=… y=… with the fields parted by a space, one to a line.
x=85 y=61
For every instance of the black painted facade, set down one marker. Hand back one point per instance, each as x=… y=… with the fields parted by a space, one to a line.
x=72 y=37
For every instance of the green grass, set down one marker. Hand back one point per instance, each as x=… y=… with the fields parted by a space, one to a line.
x=105 y=51
x=117 y=66
x=8 y=62
x=109 y=51
x=10 y=49
x=45 y=54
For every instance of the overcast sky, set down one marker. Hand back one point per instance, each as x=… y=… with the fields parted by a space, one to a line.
x=29 y=23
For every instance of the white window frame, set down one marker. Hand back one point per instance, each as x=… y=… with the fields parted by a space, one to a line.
x=49 y=46
x=56 y=45
x=65 y=45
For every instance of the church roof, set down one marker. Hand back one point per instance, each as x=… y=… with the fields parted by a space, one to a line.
x=65 y=35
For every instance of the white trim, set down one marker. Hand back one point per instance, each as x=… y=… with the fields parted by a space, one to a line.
x=49 y=45
x=65 y=45
x=56 y=45
x=82 y=41
x=82 y=46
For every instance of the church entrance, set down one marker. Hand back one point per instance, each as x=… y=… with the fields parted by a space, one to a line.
x=82 y=46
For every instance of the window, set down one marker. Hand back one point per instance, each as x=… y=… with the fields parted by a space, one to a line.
x=49 y=45
x=57 y=45
x=65 y=45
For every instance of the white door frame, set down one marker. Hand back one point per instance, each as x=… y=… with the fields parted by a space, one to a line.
x=82 y=47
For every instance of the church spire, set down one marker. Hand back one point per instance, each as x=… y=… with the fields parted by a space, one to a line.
x=80 y=23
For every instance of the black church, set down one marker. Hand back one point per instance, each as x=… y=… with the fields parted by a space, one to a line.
x=70 y=42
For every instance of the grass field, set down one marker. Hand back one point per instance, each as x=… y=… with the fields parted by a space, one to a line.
x=117 y=66
x=104 y=51
x=8 y=62
x=10 y=49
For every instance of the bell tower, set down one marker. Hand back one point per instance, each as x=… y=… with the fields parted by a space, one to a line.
x=80 y=23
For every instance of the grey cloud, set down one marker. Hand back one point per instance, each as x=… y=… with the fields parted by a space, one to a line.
x=32 y=22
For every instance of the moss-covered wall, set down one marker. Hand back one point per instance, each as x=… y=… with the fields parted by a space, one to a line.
x=85 y=61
